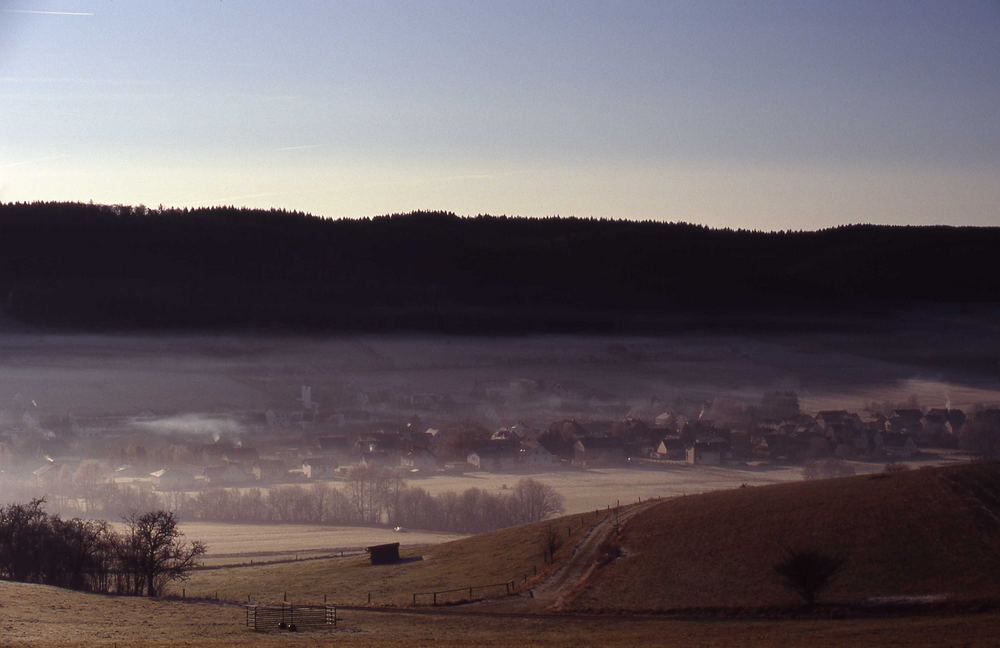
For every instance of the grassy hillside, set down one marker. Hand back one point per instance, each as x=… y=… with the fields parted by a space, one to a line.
x=923 y=532
x=490 y=558
x=38 y=616
x=929 y=532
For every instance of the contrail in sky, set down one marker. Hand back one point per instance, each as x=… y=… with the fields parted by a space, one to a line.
x=11 y=165
x=298 y=148
x=38 y=12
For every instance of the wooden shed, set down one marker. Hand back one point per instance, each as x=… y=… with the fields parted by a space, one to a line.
x=384 y=554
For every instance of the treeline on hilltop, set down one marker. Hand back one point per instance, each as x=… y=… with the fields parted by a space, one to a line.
x=97 y=266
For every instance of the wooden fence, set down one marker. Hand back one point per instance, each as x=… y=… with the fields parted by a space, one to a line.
x=441 y=596
x=289 y=616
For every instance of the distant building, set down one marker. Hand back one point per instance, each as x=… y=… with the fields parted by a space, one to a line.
x=709 y=453
x=240 y=455
x=319 y=467
x=419 y=459
x=172 y=479
x=899 y=445
x=270 y=470
x=493 y=458
x=599 y=451
x=533 y=454
x=384 y=554
x=379 y=458
x=225 y=474
x=671 y=447
x=338 y=446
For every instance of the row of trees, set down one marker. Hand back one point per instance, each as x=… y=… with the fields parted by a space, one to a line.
x=91 y=555
x=378 y=496
x=371 y=496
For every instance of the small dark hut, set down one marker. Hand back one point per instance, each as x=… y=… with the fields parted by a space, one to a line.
x=384 y=554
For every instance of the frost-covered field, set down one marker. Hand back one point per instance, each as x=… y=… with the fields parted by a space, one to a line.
x=586 y=490
x=583 y=490
x=258 y=539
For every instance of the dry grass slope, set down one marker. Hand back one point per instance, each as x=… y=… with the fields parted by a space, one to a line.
x=37 y=616
x=922 y=532
x=495 y=557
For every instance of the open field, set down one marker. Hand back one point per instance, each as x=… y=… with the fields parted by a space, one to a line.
x=927 y=532
x=583 y=490
x=486 y=559
x=917 y=533
x=597 y=488
x=259 y=539
x=41 y=617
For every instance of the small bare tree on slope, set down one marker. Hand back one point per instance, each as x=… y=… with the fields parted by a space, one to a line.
x=808 y=572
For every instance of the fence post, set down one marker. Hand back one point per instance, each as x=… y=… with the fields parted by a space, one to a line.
x=470 y=593
x=435 y=598
x=369 y=598
x=183 y=593
x=414 y=598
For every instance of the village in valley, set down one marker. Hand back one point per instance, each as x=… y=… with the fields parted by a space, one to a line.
x=416 y=436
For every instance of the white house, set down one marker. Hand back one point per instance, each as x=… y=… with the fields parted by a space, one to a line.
x=708 y=453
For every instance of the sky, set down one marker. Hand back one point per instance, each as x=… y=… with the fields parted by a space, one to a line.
x=765 y=115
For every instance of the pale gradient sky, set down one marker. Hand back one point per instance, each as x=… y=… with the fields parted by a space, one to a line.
x=768 y=115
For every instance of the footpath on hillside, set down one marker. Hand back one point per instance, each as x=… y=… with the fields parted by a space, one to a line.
x=557 y=590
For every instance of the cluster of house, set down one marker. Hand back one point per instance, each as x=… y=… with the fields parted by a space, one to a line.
x=777 y=431
x=701 y=440
x=831 y=433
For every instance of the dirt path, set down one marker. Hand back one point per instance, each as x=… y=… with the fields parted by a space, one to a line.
x=554 y=592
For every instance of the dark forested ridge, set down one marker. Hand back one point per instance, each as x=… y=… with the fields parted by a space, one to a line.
x=78 y=265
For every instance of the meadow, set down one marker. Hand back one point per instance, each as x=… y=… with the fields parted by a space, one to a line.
x=35 y=616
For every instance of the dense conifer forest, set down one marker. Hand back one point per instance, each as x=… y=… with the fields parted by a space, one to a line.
x=116 y=267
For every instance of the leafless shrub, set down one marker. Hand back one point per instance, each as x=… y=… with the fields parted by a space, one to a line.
x=808 y=572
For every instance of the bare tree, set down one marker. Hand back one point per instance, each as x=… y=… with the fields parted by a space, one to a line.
x=374 y=491
x=155 y=552
x=552 y=543
x=808 y=573
x=533 y=501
